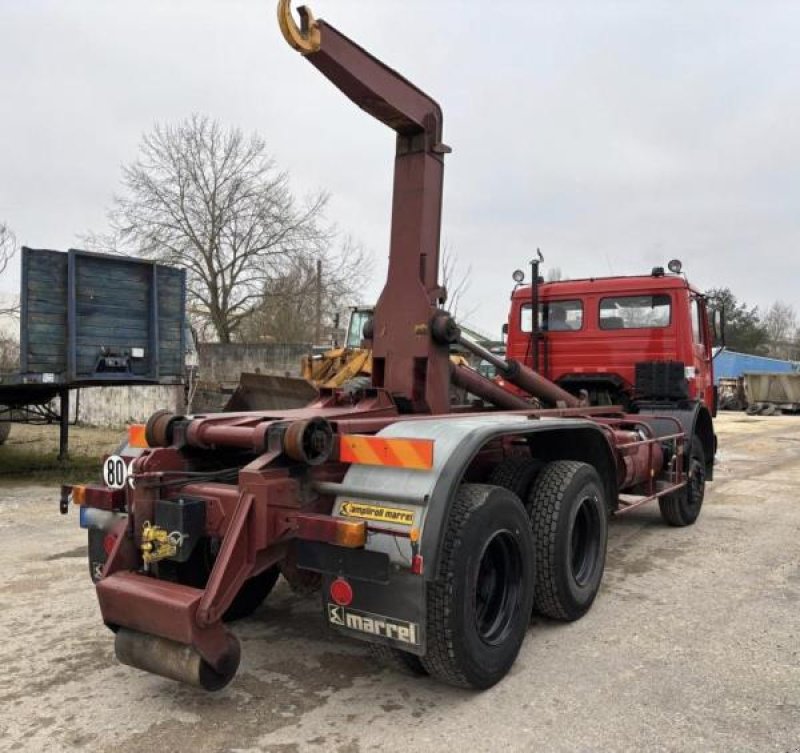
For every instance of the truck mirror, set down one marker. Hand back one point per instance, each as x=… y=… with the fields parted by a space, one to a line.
x=718 y=326
x=504 y=334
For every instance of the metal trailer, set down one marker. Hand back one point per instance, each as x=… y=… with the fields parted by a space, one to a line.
x=768 y=393
x=87 y=320
x=431 y=530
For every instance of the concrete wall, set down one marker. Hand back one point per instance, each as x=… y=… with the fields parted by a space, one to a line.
x=120 y=406
x=223 y=362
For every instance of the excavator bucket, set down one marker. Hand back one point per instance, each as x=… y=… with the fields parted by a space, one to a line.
x=268 y=392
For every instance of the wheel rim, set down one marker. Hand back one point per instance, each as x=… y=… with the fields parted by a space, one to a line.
x=498 y=584
x=584 y=541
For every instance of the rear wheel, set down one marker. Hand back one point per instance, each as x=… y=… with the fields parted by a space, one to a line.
x=479 y=607
x=252 y=594
x=517 y=474
x=570 y=530
x=196 y=570
x=683 y=507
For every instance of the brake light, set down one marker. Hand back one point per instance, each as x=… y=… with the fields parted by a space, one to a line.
x=341 y=592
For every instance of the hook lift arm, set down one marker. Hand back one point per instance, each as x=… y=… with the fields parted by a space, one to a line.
x=410 y=334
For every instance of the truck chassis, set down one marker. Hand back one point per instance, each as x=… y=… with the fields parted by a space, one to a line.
x=432 y=530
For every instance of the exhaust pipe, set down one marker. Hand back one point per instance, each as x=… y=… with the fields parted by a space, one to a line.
x=176 y=661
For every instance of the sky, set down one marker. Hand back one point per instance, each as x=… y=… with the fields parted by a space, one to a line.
x=612 y=135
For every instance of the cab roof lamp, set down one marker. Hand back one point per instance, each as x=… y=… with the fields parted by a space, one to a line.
x=675 y=266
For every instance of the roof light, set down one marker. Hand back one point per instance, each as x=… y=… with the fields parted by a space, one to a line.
x=675 y=266
x=518 y=276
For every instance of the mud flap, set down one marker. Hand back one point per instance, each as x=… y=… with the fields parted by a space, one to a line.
x=392 y=613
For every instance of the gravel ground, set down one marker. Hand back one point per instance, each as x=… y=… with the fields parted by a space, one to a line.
x=692 y=645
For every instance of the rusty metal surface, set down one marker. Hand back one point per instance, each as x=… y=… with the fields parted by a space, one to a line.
x=175 y=661
x=267 y=392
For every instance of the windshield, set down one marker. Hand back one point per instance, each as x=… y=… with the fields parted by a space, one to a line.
x=356 y=328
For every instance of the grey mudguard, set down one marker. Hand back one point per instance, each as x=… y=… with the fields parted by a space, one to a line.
x=426 y=496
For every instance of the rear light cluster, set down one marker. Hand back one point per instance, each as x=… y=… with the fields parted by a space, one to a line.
x=347 y=533
x=94 y=495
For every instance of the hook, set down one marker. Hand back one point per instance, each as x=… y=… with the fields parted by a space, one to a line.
x=306 y=38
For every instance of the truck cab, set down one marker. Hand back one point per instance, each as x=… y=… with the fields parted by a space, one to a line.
x=618 y=338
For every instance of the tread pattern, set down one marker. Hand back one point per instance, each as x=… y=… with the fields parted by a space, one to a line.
x=547 y=496
x=394 y=658
x=517 y=473
x=440 y=660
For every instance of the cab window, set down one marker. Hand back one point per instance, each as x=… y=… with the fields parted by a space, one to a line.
x=554 y=316
x=697 y=330
x=635 y=312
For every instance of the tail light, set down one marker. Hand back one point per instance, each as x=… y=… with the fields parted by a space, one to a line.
x=341 y=592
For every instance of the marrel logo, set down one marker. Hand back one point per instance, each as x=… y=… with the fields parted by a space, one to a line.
x=364 y=622
x=377 y=512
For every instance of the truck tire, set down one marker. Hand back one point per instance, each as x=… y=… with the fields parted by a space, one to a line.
x=569 y=518
x=517 y=474
x=478 y=609
x=251 y=595
x=394 y=658
x=683 y=507
x=5 y=430
x=197 y=569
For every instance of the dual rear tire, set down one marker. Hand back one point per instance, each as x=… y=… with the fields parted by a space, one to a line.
x=501 y=558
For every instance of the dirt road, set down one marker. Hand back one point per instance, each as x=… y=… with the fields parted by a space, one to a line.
x=693 y=645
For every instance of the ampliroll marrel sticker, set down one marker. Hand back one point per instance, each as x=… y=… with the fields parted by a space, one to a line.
x=377 y=513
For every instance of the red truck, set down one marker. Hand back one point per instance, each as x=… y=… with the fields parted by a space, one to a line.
x=600 y=334
x=432 y=530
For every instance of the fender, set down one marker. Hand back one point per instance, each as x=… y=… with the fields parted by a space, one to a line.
x=427 y=497
x=694 y=418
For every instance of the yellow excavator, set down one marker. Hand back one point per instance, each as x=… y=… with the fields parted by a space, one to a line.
x=341 y=366
x=335 y=367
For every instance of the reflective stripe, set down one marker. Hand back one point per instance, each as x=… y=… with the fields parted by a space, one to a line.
x=395 y=452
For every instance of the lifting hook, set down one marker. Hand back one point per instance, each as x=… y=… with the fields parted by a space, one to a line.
x=306 y=38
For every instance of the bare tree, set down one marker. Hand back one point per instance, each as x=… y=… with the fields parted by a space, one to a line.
x=8 y=250
x=780 y=323
x=213 y=201
x=457 y=283
x=332 y=277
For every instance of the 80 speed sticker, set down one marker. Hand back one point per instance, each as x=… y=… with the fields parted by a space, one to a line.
x=115 y=472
